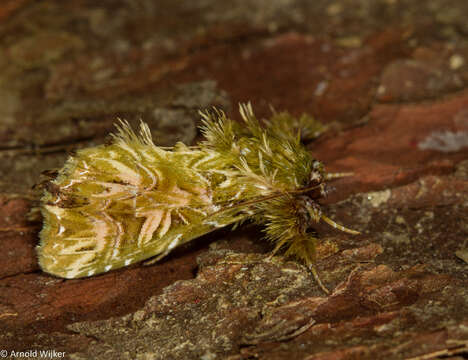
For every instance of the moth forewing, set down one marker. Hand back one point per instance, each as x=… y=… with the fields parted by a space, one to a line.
x=113 y=205
x=122 y=203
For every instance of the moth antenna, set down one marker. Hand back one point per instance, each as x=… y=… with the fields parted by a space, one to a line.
x=314 y=272
x=338 y=226
x=270 y=197
x=251 y=202
x=330 y=176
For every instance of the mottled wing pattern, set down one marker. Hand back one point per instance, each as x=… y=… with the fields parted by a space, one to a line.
x=115 y=205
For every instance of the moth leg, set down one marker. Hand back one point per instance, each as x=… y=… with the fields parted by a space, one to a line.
x=314 y=272
x=288 y=225
x=308 y=257
x=303 y=247
x=276 y=249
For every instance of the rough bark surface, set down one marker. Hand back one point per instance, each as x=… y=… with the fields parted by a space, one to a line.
x=388 y=77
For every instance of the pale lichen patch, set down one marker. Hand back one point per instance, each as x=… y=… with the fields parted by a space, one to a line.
x=378 y=198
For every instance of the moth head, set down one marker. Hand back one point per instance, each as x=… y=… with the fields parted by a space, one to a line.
x=309 y=212
x=317 y=175
x=313 y=209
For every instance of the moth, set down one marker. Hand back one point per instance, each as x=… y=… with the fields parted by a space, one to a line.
x=117 y=204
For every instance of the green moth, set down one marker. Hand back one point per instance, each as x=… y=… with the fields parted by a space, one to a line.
x=114 y=205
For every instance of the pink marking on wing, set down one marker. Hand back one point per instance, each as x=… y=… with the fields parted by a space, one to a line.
x=101 y=230
x=181 y=196
x=151 y=224
x=166 y=223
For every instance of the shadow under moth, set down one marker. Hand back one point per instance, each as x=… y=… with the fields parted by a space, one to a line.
x=114 y=205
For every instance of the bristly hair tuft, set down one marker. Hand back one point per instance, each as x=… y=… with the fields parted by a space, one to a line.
x=126 y=134
x=218 y=130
